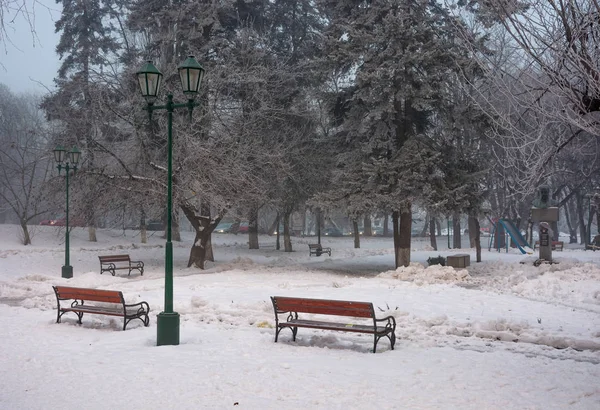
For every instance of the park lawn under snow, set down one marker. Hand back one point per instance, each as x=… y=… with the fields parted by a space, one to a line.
x=498 y=335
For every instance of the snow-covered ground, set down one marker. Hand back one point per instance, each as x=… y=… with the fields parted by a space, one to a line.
x=498 y=335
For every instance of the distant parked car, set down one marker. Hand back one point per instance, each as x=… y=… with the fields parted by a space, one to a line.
x=223 y=227
x=155 y=226
x=377 y=231
x=238 y=227
x=331 y=232
x=73 y=221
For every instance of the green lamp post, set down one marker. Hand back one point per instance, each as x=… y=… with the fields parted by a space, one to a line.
x=149 y=78
x=67 y=160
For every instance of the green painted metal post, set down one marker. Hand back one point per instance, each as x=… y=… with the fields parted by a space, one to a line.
x=149 y=78
x=67 y=270
x=168 y=321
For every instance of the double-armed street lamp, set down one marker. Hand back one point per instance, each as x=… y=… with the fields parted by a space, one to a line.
x=149 y=77
x=67 y=160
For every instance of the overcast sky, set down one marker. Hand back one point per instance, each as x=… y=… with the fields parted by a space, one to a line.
x=28 y=62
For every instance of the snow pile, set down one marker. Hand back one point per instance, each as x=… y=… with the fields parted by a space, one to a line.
x=421 y=275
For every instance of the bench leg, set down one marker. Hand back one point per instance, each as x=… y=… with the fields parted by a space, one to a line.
x=277 y=330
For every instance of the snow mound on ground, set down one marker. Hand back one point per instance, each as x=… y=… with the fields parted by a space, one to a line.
x=421 y=275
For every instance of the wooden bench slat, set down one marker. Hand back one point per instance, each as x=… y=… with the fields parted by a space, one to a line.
x=95 y=295
x=325 y=307
x=112 y=258
x=345 y=327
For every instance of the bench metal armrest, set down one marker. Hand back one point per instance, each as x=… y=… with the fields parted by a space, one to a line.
x=391 y=322
x=143 y=307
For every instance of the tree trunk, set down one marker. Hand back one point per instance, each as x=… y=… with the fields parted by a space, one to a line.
x=175 y=228
x=386 y=221
x=253 y=229
x=570 y=214
x=438 y=225
x=319 y=226
x=499 y=236
x=402 y=245
x=356 y=234
x=143 y=230
x=287 y=241
x=580 y=220
x=471 y=226
x=277 y=240
x=456 y=236
x=92 y=234
x=26 y=236
x=597 y=219
x=367 y=231
x=477 y=239
x=396 y=234
x=202 y=247
x=590 y=217
x=432 y=237
x=423 y=232
x=554 y=227
x=475 y=235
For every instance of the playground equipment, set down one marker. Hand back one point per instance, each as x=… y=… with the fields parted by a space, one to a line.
x=498 y=237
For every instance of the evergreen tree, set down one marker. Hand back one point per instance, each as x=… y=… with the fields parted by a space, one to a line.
x=394 y=57
x=85 y=46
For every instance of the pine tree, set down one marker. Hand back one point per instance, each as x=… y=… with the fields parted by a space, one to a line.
x=394 y=58
x=86 y=44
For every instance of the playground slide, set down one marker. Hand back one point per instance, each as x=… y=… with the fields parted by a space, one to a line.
x=516 y=236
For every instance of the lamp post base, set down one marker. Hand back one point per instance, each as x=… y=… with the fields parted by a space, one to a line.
x=167 y=328
x=67 y=272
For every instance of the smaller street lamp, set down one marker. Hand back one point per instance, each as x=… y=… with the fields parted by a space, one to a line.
x=67 y=160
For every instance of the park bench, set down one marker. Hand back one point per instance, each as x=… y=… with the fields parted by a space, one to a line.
x=111 y=263
x=113 y=304
x=317 y=249
x=556 y=245
x=292 y=306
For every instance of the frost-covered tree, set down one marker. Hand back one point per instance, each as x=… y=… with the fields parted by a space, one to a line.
x=395 y=57
x=85 y=47
x=24 y=159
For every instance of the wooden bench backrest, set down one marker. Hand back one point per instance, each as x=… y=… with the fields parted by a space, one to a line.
x=323 y=306
x=314 y=246
x=114 y=258
x=95 y=295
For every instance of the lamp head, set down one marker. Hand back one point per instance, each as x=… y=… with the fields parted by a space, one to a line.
x=75 y=156
x=59 y=154
x=149 y=78
x=191 y=74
